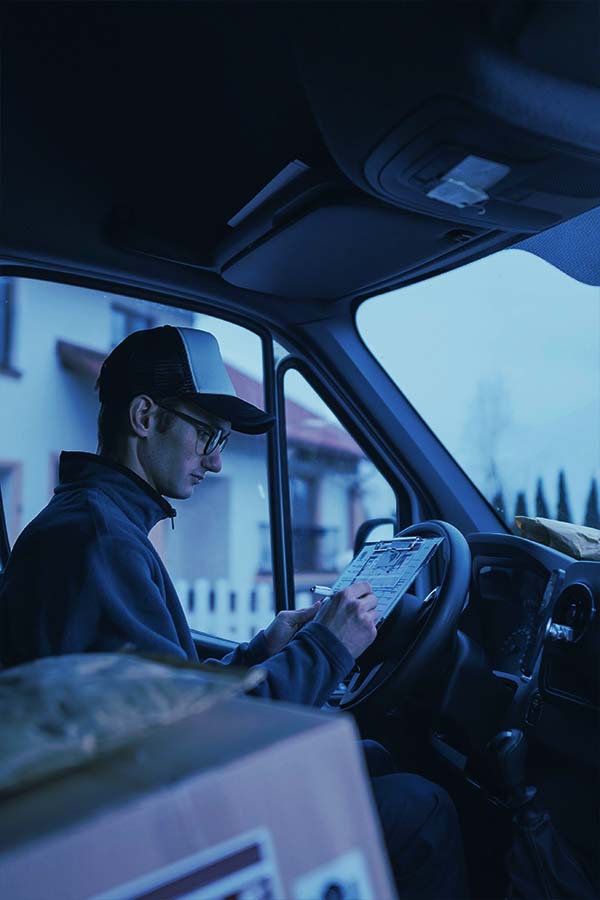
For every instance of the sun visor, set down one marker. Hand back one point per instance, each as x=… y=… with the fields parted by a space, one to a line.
x=340 y=245
x=573 y=247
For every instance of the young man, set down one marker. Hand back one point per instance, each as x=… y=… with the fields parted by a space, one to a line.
x=83 y=576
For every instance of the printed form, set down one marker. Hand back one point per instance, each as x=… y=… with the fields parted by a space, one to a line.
x=390 y=567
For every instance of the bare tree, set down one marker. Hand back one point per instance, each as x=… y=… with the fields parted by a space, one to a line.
x=487 y=425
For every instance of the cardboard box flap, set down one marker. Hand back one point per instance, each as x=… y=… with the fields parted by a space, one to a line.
x=61 y=712
x=578 y=541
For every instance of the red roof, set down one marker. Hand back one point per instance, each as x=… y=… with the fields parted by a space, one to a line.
x=303 y=426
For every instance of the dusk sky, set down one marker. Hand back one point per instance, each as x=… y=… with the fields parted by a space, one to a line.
x=509 y=334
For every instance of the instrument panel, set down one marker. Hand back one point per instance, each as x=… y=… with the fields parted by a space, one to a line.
x=533 y=611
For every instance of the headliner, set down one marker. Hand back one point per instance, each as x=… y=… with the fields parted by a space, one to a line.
x=170 y=117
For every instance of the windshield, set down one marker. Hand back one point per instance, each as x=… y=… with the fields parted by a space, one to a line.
x=501 y=358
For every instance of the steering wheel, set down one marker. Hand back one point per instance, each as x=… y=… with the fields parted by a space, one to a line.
x=416 y=632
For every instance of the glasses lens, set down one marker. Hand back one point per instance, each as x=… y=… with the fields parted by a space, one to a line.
x=216 y=441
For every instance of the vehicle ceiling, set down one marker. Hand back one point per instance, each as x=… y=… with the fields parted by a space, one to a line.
x=133 y=132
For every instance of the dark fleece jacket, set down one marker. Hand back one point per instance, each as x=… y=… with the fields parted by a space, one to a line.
x=84 y=577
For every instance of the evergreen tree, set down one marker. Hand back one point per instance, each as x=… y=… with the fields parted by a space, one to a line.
x=541 y=507
x=521 y=505
x=592 y=510
x=563 y=513
x=499 y=504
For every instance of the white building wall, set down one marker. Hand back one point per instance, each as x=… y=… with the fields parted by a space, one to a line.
x=334 y=511
x=48 y=408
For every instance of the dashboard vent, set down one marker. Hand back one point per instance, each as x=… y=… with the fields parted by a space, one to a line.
x=575 y=608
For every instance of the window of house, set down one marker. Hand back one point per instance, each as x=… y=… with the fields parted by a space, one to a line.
x=6 y=324
x=10 y=485
x=126 y=319
x=217 y=555
x=334 y=487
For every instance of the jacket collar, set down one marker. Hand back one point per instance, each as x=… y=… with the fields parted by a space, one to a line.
x=138 y=500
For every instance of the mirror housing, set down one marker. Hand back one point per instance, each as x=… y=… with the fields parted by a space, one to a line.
x=365 y=529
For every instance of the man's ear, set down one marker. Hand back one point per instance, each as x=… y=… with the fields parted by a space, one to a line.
x=139 y=415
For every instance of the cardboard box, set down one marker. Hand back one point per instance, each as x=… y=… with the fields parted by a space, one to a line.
x=245 y=800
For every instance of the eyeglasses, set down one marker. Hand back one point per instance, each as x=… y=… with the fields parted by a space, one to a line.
x=207 y=437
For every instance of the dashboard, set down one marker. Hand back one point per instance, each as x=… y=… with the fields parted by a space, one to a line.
x=528 y=649
x=537 y=615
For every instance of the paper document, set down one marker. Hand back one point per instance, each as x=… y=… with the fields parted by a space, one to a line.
x=390 y=567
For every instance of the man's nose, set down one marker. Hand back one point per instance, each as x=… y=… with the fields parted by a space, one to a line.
x=212 y=461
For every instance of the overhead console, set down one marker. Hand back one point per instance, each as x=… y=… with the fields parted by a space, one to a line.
x=442 y=135
x=454 y=122
x=443 y=131
x=453 y=160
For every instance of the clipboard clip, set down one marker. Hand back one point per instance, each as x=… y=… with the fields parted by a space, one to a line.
x=406 y=543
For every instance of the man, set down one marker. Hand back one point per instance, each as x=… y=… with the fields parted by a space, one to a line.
x=83 y=576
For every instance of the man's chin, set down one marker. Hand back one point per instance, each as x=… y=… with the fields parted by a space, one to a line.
x=180 y=493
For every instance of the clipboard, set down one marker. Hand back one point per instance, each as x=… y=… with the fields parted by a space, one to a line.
x=390 y=567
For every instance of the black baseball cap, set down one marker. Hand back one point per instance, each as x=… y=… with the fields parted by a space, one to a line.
x=170 y=362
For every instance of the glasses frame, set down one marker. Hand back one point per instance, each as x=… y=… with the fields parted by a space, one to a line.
x=217 y=437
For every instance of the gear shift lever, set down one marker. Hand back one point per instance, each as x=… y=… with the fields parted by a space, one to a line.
x=506 y=754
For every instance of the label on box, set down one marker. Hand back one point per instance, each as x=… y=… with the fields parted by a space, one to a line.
x=243 y=868
x=344 y=878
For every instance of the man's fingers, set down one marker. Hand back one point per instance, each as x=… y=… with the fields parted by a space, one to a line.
x=369 y=601
x=299 y=617
x=304 y=615
x=360 y=588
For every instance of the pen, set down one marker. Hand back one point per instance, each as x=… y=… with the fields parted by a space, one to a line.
x=321 y=590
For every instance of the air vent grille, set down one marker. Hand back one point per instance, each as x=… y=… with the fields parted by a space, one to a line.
x=575 y=608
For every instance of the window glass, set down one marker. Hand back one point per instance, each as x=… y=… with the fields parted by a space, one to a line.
x=502 y=360
x=219 y=553
x=333 y=488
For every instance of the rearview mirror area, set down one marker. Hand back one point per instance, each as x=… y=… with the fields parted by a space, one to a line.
x=374 y=530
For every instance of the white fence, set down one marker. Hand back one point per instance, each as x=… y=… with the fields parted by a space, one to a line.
x=228 y=611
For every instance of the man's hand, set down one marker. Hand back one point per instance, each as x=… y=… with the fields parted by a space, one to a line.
x=286 y=624
x=351 y=615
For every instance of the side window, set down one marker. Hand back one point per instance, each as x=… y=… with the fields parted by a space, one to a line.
x=219 y=553
x=334 y=487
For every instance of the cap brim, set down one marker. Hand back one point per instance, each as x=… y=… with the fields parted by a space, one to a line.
x=244 y=417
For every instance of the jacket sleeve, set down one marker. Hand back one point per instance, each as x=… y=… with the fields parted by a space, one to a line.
x=307 y=669
x=247 y=655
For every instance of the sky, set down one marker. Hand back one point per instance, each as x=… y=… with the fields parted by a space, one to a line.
x=502 y=360
x=510 y=335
